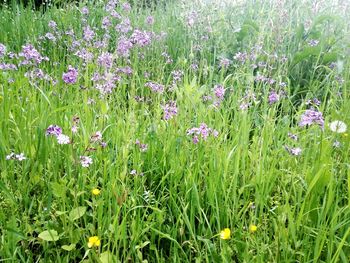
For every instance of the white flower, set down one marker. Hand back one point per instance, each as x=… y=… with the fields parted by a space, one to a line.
x=63 y=139
x=338 y=126
x=96 y=137
x=10 y=156
x=20 y=157
x=85 y=161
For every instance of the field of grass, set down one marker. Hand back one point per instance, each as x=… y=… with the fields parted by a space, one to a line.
x=183 y=131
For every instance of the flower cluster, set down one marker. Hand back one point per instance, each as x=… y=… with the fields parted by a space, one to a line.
x=71 y=76
x=310 y=117
x=170 y=110
x=18 y=157
x=203 y=132
x=142 y=146
x=56 y=131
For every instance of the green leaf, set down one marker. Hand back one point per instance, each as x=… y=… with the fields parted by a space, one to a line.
x=77 y=213
x=58 y=189
x=107 y=257
x=306 y=53
x=49 y=235
x=68 y=248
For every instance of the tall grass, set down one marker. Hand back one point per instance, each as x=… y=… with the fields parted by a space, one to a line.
x=170 y=201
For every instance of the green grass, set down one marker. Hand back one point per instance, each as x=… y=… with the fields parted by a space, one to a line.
x=188 y=192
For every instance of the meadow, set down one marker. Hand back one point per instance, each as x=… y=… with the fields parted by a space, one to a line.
x=175 y=131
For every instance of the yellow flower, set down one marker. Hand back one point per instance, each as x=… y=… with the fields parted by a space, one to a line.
x=96 y=191
x=253 y=228
x=94 y=242
x=225 y=234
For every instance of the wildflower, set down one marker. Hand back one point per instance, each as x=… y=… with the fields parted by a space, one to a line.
x=52 y=24
x=155 y=87
x=225 y=234
x=19 y=157
x=124 y=26
x=143 y=147
x=224 y=63
x=253 y=228
x=94 y=242
x=63 y=139
x=141 y=38
x=96 y=137
x=294 y=151
x=273 y=97
x=96 y=191
x=31 y=55
x=105 y=60
x=203 y=130
x=85 y=161
x=338 y=126
x=336 y=144
x=311 y=117
x=170 y=110
x=74 y=129
x=2 y=50
x=124 y=46
x=292 y=136
x=85 y=10
x=53 y=130
x=219 y=92
x=150 y=20
x=71 y=76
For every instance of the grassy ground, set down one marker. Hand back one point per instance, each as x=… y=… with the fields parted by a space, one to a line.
x=212 y=116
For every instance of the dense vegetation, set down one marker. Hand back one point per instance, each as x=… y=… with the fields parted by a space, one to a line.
x=156 y=131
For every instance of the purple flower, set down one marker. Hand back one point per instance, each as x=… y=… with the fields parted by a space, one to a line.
x=141 y=38
x=294 y=151
x=150 y=20
x=52 y=24
x=124 y=46
x=241 y=57
x=273 y=97
x=142 y=146
x=126 y=6
x=2 y=50
x=292 y=136
x=31 y=55
x=313 y=42
x=177 y=75
x=88 y=34
x=105 y=60
x=170 y=110
x=203 y=131
x=85 y=161
x=336 y=144
x=224 y=63
x=124 y=26
x=192 y=18
x=314 y=101
x=85 y=10
x=106 y=22
x=155 y=87
x=311 y=117
x=219 y=92
x=53 y=130
x=71 y=76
